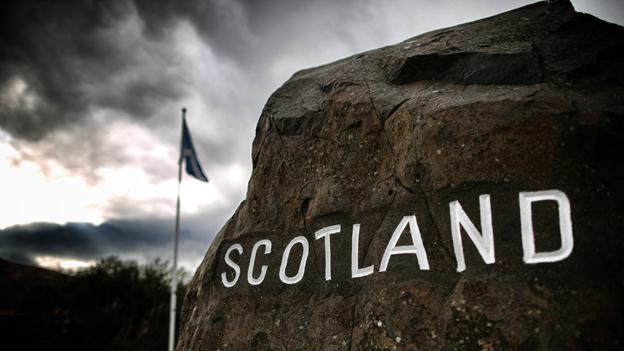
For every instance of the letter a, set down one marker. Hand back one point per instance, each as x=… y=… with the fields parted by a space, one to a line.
x=417 y=246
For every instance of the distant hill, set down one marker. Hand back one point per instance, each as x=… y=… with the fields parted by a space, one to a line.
x=18 y=282
x=113 y=306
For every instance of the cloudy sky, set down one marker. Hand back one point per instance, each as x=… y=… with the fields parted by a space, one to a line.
x=90 y=99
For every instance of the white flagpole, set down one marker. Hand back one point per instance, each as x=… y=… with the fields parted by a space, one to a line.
x=174 y=272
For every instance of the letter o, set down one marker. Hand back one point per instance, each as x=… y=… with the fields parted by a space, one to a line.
x=304 y=258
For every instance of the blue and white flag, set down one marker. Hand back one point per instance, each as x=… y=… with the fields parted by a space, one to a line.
x=188 y=154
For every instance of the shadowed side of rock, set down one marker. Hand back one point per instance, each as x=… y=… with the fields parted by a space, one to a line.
x=528 y=100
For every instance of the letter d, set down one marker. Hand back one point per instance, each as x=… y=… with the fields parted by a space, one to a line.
x=526 y=220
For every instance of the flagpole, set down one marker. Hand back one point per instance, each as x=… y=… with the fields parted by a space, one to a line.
x=174 y=272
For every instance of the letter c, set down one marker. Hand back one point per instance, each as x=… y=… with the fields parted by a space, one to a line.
x=256 y=281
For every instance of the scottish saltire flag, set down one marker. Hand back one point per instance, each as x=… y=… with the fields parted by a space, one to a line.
x=189 y=156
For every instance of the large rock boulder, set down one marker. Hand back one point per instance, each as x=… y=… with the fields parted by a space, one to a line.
x=526 y=107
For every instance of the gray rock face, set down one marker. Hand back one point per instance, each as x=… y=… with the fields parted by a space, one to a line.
x=528 y=100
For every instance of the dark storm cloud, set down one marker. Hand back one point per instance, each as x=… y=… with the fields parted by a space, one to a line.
x=26 y=241
x=68 y=53
x=249 y=31
x=63 y=63
x=223 y=24
x=51 y=46
x=142 y=239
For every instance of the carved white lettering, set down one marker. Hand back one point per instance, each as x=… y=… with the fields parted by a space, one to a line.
x=267 y=250
x=417 y=246
x=484 y=242
x=357 y=272
x=565 y=226
x=302 y=264
x=230 y=283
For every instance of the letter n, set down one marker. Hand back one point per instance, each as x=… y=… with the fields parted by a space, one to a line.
x=483 y=242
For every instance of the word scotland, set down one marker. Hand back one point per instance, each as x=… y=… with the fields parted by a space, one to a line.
x=482 y=239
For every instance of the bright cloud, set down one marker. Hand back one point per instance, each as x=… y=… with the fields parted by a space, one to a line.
x=63 y=263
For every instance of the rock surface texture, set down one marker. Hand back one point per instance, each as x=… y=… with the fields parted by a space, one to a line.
x=527 y=100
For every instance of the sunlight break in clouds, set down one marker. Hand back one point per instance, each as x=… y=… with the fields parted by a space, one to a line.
x=57 y=196
x=62 y=263
x=29 y=195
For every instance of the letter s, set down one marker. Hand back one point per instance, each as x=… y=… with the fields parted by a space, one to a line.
x=233 y=265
